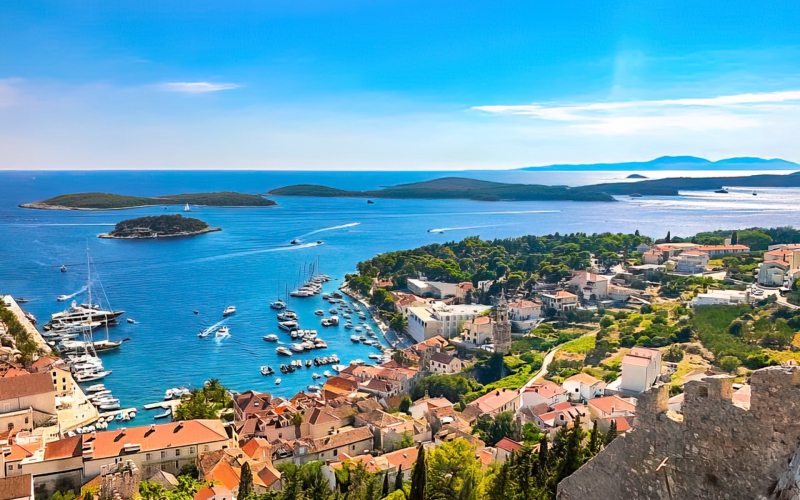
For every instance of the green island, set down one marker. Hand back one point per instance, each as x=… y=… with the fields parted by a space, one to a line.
x=161 y=226
x=451 y=188
x=107 y=201
x=479 y=190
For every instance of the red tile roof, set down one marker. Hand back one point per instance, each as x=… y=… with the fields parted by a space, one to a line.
x=28 y=385
x=16 y=487
x=508 y=445
x=607 y=403
x=158 y=437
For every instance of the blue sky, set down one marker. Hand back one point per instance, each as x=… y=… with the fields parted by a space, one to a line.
x=393 y=85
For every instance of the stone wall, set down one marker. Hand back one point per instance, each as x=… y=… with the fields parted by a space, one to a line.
x=718 y=450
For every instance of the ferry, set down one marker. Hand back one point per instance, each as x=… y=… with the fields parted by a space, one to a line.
x=228 y=311
x=284 y=351
x=271 y=337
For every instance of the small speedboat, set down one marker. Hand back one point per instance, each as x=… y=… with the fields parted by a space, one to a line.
x=354 y=338
x=63 y=298
x=295 y=241
x=327 y=373
x=277 y=381
x=223 y=332
x=21 y=300
x=284 y=351
x=63 y=269
x=319 y=312
x=271 y=337
x=315 y=376
x=131 y=321
x=314 y=388
x=267 y=370
x=228 y=311
x=166 y=414
x=296 y=347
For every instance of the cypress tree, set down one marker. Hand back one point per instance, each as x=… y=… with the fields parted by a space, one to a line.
x=398 y=479
x=734 y=238
x=385 y=491
x=594 y=439
x=612 y=432
x=543 y=454
x=668 y=238
x=418 y=477
x=245 y=482
x=636 y=233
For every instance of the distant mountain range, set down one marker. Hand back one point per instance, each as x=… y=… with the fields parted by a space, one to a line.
x=683 y=163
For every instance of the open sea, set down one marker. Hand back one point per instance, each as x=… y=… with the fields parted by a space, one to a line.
x=160 y=283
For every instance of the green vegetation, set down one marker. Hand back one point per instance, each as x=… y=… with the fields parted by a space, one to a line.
x=452 y=188
x=451 y=387
x=671 y=186
x=158 y=226
x=205 y=403
x=20 y=337
x=106 y=201
x=492 y=430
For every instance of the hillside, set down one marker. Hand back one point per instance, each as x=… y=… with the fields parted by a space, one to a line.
x=161 y=226
x=682 y=163
x=671 y=186
x=452 y=188
x=107 y=201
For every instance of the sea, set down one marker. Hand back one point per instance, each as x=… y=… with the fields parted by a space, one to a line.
x=251 y=262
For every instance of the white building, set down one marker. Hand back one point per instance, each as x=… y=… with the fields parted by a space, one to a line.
x=523 y=314
x=479 y=330
x=593 y=286
x=583 y=387
x=438 y=289
x=779 y=264
x=640 y=369
x=720 y=297
x=440 y=319
x=691 y=262
x=561 y=300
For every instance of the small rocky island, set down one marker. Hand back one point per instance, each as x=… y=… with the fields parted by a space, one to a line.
x=162 y=226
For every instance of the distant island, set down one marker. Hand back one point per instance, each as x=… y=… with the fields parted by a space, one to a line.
x=162 y=226
x=452 y=188
x=106 y=201
x=681 y=163
x=473 y=189
x=636 y=176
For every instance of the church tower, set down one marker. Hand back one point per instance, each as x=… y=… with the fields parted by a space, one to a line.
x=502 y=327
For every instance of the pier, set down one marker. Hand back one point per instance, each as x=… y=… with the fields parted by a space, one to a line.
x=114 y=413
x=169 y=403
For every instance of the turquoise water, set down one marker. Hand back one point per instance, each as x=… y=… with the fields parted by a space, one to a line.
x=160 y=283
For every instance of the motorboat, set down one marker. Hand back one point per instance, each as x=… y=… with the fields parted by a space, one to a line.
x=349 y=326
x=83 y=313
x=337 y=368
x=284 y=351
x=228 y=311
x=297 y=347
x=63 y=298
x=327 y=373
x=320 y=344
x=267 y=370
x=287 y=325
x=357 y=362
x=319 y=312
x=166 y=414
x=308 y=363
x=301 y=293
x=359 y=329
x=354 y=338
x=287 y=316
x=91 y=376
x=278 y=304
x=223 y=332
x=374 y=355
x=96 y=388
x=362 y=338
x=314 y=388
x=316 y=376
x=131 y=321
x=63 y=268
x=271 y=337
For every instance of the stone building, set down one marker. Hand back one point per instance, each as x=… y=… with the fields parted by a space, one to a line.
x=717 y=448
x=501 y=329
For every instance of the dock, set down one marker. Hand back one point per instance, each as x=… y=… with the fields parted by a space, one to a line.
x=169 y=403
x=114 y=413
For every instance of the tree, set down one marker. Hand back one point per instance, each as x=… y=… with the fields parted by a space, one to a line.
x=406 y=442
x=729 y=363
x=573 y=451
x=734 y=238
x=419 y=476
x=668 y=238
x=594 y=439
x=151 y=491
x=385 y=490
x=612 y=432
x=453 y=471
x=636 y=233
x=245 y=482
x=405 y=404
x=398 y=479
x=399 y=323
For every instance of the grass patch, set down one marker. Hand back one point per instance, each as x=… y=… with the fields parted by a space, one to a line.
x=581 y=345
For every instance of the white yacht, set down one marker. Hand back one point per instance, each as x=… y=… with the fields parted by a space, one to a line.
x=288 y=325
x=287 y=316
x=278 y=304
x=223 y=332
x=228 y=311
x=297 y=347
x=284 y=351
x=271 y=337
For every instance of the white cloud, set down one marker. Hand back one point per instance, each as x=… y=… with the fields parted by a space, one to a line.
x=625 y=117
x=197 y=87
x=9 y=95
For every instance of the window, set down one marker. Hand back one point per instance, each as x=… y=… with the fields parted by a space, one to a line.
x=163 y=454
x=177 y=452
x=205 y=448
x=191 y=450
x=335 y=452
x=147 y=457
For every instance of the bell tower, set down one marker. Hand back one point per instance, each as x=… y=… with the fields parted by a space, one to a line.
x=502 y=327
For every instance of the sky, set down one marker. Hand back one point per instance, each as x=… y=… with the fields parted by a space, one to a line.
x=393 y=85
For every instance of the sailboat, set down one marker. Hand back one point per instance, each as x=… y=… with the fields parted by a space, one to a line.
x=187 y=208
x=88 y=367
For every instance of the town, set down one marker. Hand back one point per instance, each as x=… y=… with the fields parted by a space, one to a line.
x=530 y=367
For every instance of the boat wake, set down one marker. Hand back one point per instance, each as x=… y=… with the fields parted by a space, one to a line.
x=333 y=228
x=254 y=252
x=67 y=297
x=444 y=229
x=211 y=329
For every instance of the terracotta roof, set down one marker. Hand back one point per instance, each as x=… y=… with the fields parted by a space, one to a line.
x=322 y=416
x=494 y=400
x=380 y=418
x=481 y=320
x=708 y=248
x=256 y=448
x=433 y=402
x=523 y=304
x=405 y=458
x=225 y=474
x=19 y=452
x=269 y=475
x=213 y=491
x=158 y=437
x=341 y=383
x=342 y=438
x=16 y=487
x=606 y=403
x=583 y=378
x=28 y=385
x=508 y=445
x=64 y=448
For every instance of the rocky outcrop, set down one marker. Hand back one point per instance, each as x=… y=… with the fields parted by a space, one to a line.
x=716 y=450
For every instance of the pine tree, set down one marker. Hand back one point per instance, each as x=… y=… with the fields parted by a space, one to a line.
x=594 y=440
x=418 y=477
x=612 y=432
x=245 y=482
x=573 y=451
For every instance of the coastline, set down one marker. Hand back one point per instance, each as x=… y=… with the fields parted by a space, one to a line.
x=36 y=205
x=109 y=236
